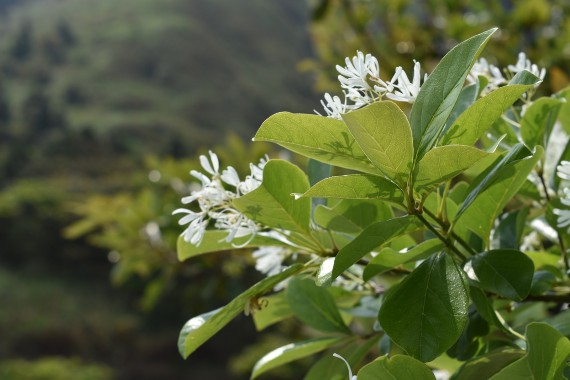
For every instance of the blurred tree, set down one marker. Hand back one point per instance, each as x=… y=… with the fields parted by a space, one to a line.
x=397 y=31
x=22 y=45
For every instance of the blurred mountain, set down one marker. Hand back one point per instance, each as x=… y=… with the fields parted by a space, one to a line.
x=99 y=78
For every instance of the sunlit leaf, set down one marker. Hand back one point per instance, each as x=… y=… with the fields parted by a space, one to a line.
x=321 y=138
x=201 y=328
x=272 y=204
x=439 y=93
x=383 y=132
x=478 y=118
x=292 y=352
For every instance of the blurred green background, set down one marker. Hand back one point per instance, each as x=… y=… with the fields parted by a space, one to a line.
x=104 y=107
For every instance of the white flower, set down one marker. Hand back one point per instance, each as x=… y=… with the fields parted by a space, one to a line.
x=269 y=260
x=525 y=64
x=355 y=74
x=197 y=224
x=333 y=106
x=492 y=73
x=531 y=242
x=214 y=201
x=563 y=170
x=350 y=377
x=212 y=168
x=406 y=91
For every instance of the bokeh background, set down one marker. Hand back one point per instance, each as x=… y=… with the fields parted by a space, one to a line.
x=104 y=108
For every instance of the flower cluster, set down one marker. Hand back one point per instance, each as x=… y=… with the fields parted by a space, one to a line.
x=362 y=85
x=496 y=78
x=214 y=201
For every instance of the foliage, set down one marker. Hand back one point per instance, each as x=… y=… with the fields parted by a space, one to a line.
x=399 y=30
x=462 y=246
x=140 y=234
x=53 y=369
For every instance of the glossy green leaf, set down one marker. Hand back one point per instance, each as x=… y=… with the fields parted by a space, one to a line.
x=485 y=366
x=215 y=241
x=388 y=258
x=292 y=352
x=356 y=186
x=321 y=138
x=352 y=215
x=506 y=272
x=274 y=308
x=538 y=120
x=383 y=132
x=439 y=93
x=484 y=203
x=478 y=118
x=548 y=351
x=371 y=238
x=331 y=368
x=395 y=367
x=272 y=204
x=201 y=328
x=426 y=313
x=443 y=163
x=314 y=306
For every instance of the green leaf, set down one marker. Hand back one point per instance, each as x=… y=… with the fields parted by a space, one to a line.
x=317 y=172
x=538 y=121
x=546 y=357
x=352 y=216
x=468 y=343
x=487 y=200
x=375 y=235
x=561 y=322
x=478 y=118
x=383 y=132
x=215 y=241
x=275 y=308
x=506 y=272
x=509 y=232
x=426 y=313
x=356 y=186
x=321 y=138
x=314 y=306
x=396 y=367
x=564 y=115
x=485 y=366
x=201 y=328
x=388 y=258
x=292 y=352
x=468 y=96
x=485 y=308
x=272 y=204
x=443 y=163
x=330 y=368
x=439 y=93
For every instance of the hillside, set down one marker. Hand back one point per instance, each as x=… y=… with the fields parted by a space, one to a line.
x=141 y=76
